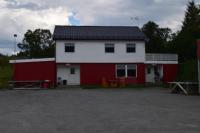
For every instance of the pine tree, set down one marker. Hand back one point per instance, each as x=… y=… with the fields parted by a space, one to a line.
x=185 y=40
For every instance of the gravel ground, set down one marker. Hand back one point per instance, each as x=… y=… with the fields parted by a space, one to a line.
x=98 y=111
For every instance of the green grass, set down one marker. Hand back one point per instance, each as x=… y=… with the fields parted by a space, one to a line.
x=5 y=72
x=134 y=86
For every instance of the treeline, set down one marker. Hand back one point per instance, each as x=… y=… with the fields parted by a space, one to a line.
x=37 y=44
x=183 y=42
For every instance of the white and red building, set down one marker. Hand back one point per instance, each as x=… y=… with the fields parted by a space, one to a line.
x=87 y=54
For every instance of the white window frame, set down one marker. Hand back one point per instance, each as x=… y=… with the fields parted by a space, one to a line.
x=71 y=70
x=109 y=44
x=116 y=71
x=68 y=44
x=126 y=71
x=130 y=44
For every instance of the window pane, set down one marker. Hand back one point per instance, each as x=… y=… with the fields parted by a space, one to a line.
x=69 y=47
x=130 y=48
x=121 y=67
x=109 y=45
x=131 y=70
x=131 y=66
x=72 y=70
x=121 y=71
x=149 y=70
x=131 y=73
x=109 y=48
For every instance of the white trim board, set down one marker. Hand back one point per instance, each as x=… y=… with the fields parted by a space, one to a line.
x=161 y=62
x=31 y=60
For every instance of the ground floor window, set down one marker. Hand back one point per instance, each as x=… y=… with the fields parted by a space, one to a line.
x=126 y=70
x=121 y=71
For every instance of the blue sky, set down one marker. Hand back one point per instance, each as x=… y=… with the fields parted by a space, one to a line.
x=17 y=16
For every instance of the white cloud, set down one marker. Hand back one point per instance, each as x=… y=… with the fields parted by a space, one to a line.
x=7 y=51
x=18 y=21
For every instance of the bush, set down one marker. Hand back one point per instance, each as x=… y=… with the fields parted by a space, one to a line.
x=5 y=72
x=188 y=71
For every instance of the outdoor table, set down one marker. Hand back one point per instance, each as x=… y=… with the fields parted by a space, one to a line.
x=184 y=86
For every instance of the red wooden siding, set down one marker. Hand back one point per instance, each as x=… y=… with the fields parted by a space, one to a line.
x=93 y=74
x=169 y=72
x=141 y=73
x=35 y=71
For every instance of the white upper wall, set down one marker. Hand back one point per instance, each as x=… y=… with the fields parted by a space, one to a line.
x=94 y=52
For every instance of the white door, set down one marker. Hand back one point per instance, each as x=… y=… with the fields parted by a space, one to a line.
x=154 y=73
x=73 y=77
x=150 y=74
x=68 y=75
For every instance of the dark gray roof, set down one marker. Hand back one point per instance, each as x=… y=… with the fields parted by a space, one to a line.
x=98 y=33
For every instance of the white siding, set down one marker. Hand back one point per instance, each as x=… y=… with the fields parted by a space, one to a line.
x=94 y=52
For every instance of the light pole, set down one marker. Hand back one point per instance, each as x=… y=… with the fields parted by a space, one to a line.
x=14 y=58
x=15 y=41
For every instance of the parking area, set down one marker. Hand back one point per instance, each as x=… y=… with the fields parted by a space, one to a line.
x=98 y=111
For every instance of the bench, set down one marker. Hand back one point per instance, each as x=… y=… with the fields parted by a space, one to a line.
x=26 y=84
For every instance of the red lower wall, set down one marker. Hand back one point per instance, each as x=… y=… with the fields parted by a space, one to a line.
x=92 y=74
x=141 y=73
x=35 y=71
x=170 y=72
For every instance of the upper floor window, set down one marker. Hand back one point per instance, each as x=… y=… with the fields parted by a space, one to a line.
x=69 y=47
x=130 y=48
x=109 y=48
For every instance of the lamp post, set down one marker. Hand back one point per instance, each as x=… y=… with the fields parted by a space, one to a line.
x=15 y=38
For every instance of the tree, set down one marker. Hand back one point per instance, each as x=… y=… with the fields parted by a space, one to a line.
x=37 y=44
x=185 y=39
x=157 y=37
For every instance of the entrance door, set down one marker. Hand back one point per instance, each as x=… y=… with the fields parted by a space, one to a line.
x=154 y=73
x=73 y=75
x=150 y=77
x=68 y=75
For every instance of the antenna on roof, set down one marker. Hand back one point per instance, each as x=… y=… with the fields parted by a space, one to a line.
x=136 y=19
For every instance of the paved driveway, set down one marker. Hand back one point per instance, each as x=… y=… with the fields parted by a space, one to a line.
x=98 y=111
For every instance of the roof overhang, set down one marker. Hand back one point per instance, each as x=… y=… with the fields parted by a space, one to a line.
x=31 y=60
